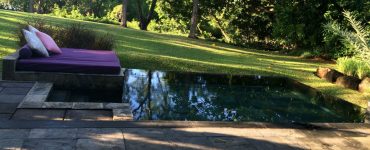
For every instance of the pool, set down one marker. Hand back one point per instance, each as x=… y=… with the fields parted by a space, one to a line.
x=160 y=95
x=168 y=95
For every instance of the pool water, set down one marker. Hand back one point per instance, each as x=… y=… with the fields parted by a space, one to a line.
x=159 y=95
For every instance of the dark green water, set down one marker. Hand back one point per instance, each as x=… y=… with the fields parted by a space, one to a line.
x=157 y=95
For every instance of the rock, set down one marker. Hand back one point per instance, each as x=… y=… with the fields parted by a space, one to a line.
x=321 y=72
x=364 y=85
x=348 y=82
x=330 y=75
x=333 y=75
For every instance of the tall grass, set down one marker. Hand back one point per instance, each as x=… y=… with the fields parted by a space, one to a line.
x=353 y=67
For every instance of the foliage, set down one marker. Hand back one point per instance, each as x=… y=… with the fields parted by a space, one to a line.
x=74 y=36
x=353 y=67
x=355 y=41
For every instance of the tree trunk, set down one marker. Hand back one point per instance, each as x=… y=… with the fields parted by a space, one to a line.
x=39 y=7
x=124 y=13
x=91 y=11
x=194 y=19
x=30 y=9
x=144 y=21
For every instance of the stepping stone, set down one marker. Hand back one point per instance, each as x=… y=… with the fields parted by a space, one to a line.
x=14 y=91
x=38 y=114
x=52 y=144
x=8 y=108
x=89 y=115
x=11 y=98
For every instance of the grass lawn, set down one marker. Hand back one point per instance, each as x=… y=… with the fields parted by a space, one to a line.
x=148 y=50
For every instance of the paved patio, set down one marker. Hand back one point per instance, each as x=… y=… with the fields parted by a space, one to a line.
x=182 y=138
x=94 y=129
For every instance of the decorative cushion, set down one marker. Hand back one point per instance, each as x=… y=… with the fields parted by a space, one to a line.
x=32 y=29
x=35 y=44
x=49 y=43
x=25 y=52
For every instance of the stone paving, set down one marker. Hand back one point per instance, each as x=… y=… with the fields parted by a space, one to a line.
x=182 y=138
x=11 y=94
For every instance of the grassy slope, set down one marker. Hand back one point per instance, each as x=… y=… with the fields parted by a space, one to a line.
x=147 y=50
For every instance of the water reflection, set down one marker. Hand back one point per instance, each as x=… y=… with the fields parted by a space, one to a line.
x=157 y=95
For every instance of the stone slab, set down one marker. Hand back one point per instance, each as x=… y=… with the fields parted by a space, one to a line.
x=41 y=88
x=231 y=143
x=53 y=133
x=35 y=98
x=38 y=114
x=100 y=133
x=1 y=88
x=89 y=115
x=83 y=105
x=100 y=144
x=57 y=105
x=11 y=144
x=16 y=84
x=116 y=106
x=11 y=98
x=49 y=144
x=8 y=108
x=4 y=117
x=192 y=143
x=14 y=91
x=26 y=104
x=147 y=132
x=14 y=133
x=122 y=114
x=145 y=143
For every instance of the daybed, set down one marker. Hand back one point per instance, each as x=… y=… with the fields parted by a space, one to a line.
x=74 y=68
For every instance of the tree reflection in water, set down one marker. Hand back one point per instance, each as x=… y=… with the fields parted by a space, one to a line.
x=157 y=95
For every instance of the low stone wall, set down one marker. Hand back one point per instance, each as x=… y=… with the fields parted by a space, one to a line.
x=339 y=78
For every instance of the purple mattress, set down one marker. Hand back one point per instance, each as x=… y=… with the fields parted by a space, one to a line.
x=74 y=61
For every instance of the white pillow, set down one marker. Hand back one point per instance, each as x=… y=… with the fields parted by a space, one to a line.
x=32 y=29
x=35 y=43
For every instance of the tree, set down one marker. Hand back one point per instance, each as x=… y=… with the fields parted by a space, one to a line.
x=31 y=2
x=39 y=7
x=145 y=20
x=124 y=13
x=194 y=19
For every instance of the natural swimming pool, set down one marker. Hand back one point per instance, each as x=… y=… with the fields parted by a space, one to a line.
x=161 y=95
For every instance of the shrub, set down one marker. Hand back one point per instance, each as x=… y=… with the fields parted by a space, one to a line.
x=353 y=67
x=72 y=36
x=355 y=41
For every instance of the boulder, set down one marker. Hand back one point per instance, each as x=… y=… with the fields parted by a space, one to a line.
x=333 y=75
x=348 y=82
x=330 y=75
x=321 y=72
x=364 y=85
